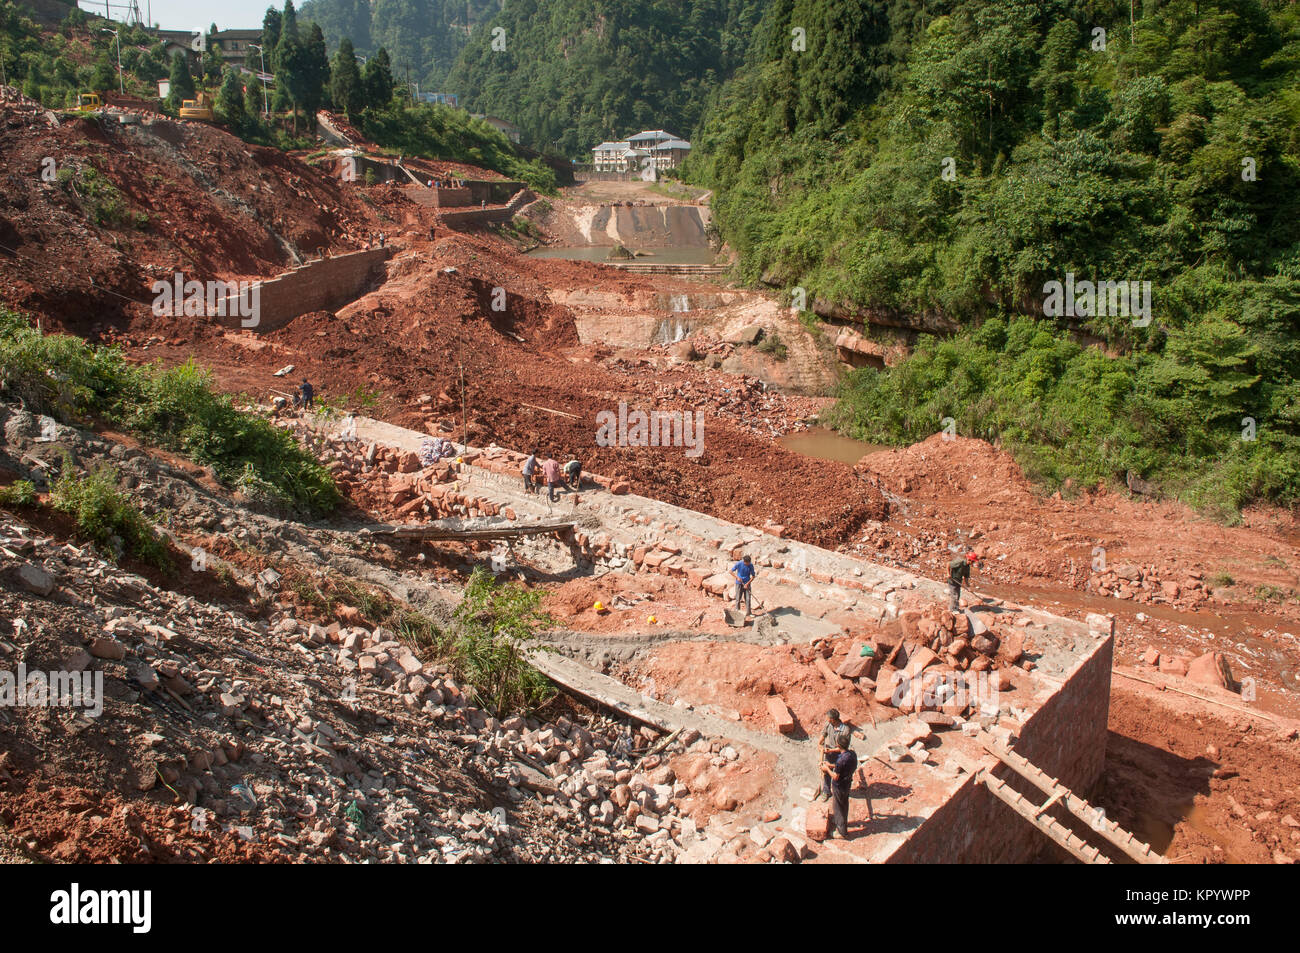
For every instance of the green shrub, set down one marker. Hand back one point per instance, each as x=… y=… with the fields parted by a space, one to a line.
x=772 y=345
x=107 y=516
x=175 y=408
x=18 y=493
x=495 y=626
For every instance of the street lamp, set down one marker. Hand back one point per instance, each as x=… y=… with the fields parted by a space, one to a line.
x=266 y=109
x=121 y=87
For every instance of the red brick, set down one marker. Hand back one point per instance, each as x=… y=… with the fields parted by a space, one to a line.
x=781 y=716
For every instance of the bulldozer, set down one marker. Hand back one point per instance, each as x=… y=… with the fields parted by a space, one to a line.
x=198 y=108
x=89 y=102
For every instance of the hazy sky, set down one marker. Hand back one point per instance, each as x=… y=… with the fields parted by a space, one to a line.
x=194 y=14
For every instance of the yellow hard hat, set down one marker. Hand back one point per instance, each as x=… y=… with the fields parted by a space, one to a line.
x=599 y=607
x=651 y=620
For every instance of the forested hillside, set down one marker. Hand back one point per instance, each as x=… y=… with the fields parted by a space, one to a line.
x=423 y=37
x=941 y=162
x=574 y=72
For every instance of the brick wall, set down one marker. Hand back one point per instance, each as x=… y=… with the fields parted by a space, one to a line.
x=316 y=286
x=1066 y=738
x=439 y=198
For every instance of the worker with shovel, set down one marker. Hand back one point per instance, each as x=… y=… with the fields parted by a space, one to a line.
x=959 y=572
x=839 y=775
x=743 y=573
x=828 y=747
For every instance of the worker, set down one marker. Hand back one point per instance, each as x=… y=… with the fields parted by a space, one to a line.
x=551 y=473
x=573 y=474
x=530 y=468
x=828 y=748
x=840 y=775
x=306 y=393
x=743 y=573
x=959 y=572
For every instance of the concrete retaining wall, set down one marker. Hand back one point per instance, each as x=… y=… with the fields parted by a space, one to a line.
x=488 y=216
x=321 y=285
x=1066 y=738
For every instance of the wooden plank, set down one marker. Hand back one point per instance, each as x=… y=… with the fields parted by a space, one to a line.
x=504 y=531
x=1076 y=805
x=1049 y=826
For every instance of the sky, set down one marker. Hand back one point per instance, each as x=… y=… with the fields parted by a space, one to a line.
x=194 y=14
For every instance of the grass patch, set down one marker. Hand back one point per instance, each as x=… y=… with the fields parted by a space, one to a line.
x=484 y=643
x=18 y=493
x=175 y=408
x=102 y=201
x=107 y=516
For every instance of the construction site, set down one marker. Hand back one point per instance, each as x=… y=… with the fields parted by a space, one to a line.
x=1109 y=688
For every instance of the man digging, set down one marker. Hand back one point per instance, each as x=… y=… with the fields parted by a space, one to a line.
x=959 y=572
x=743 y=573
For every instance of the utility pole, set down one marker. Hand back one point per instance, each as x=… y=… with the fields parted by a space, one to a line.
x=261 y=53
x=121 y=86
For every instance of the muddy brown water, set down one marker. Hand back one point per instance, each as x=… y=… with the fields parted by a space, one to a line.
x=826 y=444
x=600 y=253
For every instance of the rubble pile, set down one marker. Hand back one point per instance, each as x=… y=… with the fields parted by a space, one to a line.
x=336 y=742
x=746 y=402
x=1185 y=589
x=936 y=665
x=294 y=735
x=16 y=110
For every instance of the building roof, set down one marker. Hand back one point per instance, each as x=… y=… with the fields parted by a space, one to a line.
x=238 y=35
x=673 y=144
x=610 y=146
x=657 y=135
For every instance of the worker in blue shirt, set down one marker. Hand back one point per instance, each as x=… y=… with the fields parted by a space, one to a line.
x=743 y=573
x=841 y=778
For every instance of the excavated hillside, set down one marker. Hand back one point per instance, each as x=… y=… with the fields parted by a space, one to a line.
x=463 y=337
x=94 y=210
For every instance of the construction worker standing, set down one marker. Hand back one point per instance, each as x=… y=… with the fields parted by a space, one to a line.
x=743 y=572
x=530 y=467
x=551 y=473
x=959 y=572
x=828 y=748
x=840 y=775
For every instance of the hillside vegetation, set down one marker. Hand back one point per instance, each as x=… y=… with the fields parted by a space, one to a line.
x=575 y=72
x=946 y=160
x=422 y=36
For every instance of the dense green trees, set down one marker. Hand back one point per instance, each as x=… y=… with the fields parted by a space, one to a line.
x=570 y=73
x=230 y=100
x=181 y=82
x=423 y=37
x=345 y=80
x=943 y=168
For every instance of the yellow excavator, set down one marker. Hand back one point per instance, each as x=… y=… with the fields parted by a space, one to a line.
x=198 y=108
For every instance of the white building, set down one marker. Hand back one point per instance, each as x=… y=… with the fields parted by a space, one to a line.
x=629 y=155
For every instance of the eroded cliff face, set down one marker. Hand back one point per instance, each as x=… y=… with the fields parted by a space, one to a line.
x=635 y=226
